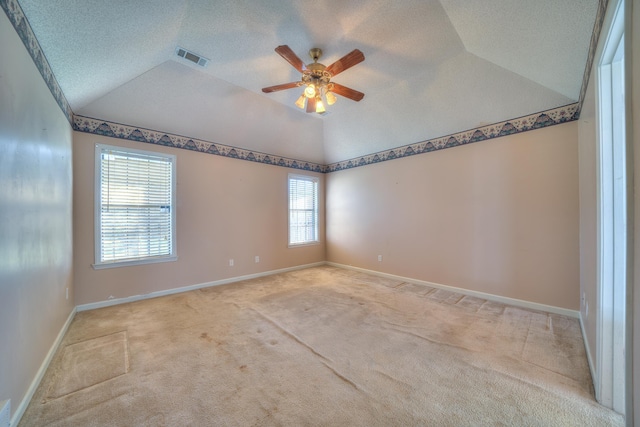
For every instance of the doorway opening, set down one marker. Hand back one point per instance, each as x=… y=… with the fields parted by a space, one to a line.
x=613 y=245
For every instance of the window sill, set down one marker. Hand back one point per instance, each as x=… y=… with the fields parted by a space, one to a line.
x=104 y=265
x=297 y=245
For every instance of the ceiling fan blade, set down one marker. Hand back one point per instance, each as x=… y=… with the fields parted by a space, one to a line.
x=293 y=59
x=280 y=87
x=347 y=92
x=311 y=105
x=349 y=60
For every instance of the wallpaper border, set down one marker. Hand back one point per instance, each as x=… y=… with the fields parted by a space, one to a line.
x=20 y=23
x=539 y=120
x=593 y=46
x=132 y=133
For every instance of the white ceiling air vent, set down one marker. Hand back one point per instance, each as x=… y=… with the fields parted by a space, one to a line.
x=190 y=56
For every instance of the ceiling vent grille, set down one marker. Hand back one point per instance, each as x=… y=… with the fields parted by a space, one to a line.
x=190 y=56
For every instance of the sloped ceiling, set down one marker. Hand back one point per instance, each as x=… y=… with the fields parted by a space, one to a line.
x=432 y=67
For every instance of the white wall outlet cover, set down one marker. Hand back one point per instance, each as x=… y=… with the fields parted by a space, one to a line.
x=586 y=309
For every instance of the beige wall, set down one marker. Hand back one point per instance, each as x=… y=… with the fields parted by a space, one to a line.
x=499 y=216
x=35 y=218
x=226 y=208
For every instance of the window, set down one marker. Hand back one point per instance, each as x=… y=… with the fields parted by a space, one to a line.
x=303 y=210
x=135 y=207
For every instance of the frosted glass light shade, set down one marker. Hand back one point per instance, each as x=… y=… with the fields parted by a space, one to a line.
x=331 y=98
x=300 y=103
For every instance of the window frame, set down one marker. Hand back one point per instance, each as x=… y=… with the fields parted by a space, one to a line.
x=98 y=264
x=316 y=181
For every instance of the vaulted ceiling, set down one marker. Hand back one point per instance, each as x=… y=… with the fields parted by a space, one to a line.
x=432 y=67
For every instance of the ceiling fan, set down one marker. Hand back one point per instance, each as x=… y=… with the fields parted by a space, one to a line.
x=317 y=79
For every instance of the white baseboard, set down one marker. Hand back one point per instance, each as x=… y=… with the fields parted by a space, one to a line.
x=5 y=413
x=43 y=368
x=592 y=367
x=490 y=297
x=108 y=303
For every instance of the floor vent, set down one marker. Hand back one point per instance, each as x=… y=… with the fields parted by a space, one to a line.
x=5 y=413
x=190 y=56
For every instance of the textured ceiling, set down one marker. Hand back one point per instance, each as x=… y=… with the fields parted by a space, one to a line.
x=432 y=67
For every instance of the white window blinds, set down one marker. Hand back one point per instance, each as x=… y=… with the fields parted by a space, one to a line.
x=134 y=205
x=303 y=209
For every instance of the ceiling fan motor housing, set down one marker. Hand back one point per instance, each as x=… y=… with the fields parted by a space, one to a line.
x=317 y=72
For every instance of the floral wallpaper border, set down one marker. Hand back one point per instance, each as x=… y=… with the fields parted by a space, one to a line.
x=21 y=24
x=132 y=133
x=508 y=127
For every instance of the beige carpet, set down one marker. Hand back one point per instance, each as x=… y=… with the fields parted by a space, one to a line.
x=319 y=347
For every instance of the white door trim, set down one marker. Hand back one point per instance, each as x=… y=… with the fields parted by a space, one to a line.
x=613 y=248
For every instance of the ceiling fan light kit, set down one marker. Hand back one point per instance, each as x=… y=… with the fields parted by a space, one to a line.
x=316 y=79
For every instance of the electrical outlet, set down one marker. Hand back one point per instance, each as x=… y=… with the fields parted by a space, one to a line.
x=231 y=263
x=257 y=259
x=379 y=258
